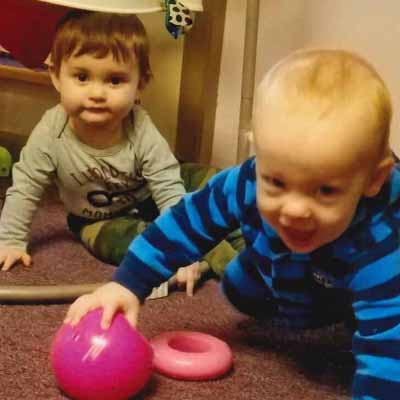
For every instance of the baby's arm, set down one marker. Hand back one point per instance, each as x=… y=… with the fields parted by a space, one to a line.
x=31 y=174
x=162 y=173
x=182 y=235
x=157 y=163
x=376 y=341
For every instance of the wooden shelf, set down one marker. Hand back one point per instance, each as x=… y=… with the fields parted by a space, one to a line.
x=25 y=74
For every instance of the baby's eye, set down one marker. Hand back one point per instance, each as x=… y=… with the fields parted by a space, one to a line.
x=116 y=80
x=81 y=77
x=326 y=190
x=275 y=182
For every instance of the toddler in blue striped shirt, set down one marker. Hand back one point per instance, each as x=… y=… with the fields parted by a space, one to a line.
x=319 y=208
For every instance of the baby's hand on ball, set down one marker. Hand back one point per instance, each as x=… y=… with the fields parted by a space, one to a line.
x=111 y=297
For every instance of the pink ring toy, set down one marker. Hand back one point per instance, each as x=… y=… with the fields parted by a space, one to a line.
x=190 y=355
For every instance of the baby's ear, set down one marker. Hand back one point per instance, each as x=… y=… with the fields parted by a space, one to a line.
x=54 y=77
x=380 y=174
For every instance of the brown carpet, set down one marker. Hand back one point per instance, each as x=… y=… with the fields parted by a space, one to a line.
x=269 y=363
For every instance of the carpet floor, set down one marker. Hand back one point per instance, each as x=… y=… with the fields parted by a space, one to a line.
x=269 y=363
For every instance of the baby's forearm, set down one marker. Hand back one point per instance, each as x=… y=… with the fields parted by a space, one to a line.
x=17 y=215
x=15 y=222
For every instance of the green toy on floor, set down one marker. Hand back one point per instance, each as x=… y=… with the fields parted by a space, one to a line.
x=5 y=162
x=5 y=173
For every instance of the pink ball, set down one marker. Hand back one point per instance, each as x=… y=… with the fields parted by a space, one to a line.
x=90 y=363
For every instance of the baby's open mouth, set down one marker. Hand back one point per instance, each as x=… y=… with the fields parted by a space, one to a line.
x=298 y=235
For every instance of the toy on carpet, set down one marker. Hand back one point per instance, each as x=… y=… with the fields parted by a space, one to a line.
x=5 y=162
x=91 y=363
x=5 y=172
x=191 y=355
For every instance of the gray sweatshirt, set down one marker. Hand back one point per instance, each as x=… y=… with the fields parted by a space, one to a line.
x=92 y=183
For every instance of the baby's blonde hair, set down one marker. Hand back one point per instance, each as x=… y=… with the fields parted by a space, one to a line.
x=324 y=81
x=99 y=34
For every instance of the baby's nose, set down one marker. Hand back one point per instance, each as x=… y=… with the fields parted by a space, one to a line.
x=97 y=91
x=295 y=208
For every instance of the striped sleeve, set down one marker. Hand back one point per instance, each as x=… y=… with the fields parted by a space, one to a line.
x=185 y=232
x=376 y=304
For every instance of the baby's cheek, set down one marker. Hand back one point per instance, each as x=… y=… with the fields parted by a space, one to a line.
x=267 y=208
x=336 y=222
x=70 y=104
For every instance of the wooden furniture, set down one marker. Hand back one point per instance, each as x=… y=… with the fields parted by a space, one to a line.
x=199 y=84
x=24 y=96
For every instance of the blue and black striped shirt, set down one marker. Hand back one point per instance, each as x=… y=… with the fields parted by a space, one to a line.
x=360 y=269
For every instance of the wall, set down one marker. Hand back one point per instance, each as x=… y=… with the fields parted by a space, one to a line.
x=368 y=27
x=161 y=97
x=22 y=104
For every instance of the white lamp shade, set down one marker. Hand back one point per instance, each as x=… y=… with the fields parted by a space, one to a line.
x=124 y=6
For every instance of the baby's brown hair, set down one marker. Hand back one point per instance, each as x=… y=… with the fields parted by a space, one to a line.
x=98 y=34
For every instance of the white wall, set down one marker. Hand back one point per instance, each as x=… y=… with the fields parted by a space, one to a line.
x=369 y=27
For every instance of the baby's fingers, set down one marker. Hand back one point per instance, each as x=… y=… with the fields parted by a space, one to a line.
x=12 y=256
x=78 y=309
x=26 y=260
x=108 y=315
x=8 y=262
x=132 y=317
x=190 y=285
x=181 y=276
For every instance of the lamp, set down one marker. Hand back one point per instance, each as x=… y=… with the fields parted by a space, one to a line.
x=124 y=6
